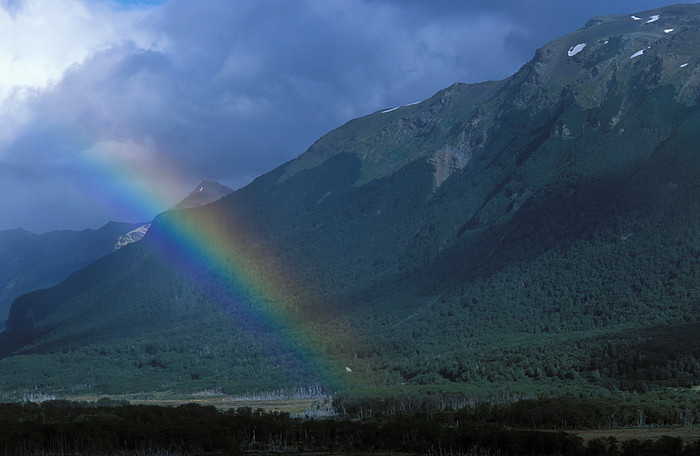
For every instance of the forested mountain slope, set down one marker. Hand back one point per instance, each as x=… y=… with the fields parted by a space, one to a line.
x=538 y=231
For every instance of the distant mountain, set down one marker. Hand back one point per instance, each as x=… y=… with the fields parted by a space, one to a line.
x=31 y=261
x=205 y=193
x=540 y=233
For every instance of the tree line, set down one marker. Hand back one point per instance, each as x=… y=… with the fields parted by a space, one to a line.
x=108 y=427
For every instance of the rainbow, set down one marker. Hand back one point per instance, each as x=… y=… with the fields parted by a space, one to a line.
x=207 y=239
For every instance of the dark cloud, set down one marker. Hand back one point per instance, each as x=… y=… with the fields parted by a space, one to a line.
x=229 y=90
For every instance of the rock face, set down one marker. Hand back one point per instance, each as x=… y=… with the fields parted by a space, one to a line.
x=448 y=160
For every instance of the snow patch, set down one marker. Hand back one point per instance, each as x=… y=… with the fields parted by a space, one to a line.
x=201 y=188
x=573 y=50
x=132 y=236
x=414 y=103
x=392 y=109
x=636 y=18
x=653 y=18
x=638 y=53
x=684 y=65
x=668 y=30
x=142 y=230
x=606 y=42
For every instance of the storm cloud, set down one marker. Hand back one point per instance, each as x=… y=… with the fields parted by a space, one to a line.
x=148 y=98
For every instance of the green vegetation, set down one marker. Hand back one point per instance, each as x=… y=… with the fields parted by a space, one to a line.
x=505 y=405
x=532 y=239
x=106 y=427
x=559 y=274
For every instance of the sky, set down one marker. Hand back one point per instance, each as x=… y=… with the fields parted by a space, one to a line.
x=116 y=110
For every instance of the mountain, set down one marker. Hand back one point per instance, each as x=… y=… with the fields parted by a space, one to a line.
x=205 y=193
x=31 y=261
x=539 y=234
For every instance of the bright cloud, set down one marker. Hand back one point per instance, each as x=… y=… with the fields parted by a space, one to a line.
x=41 y=39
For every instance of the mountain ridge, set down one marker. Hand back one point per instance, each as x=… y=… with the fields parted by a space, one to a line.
x=32 y=261
x=512 y=231
x=36 y=261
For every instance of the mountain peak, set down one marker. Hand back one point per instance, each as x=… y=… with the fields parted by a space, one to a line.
x=205 y=193
x=17 y=233
x=617 y=56
x=655 y=47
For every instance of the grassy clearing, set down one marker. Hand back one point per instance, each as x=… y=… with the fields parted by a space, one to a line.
x=687 y=434
x=295 y=407
x=291 y=406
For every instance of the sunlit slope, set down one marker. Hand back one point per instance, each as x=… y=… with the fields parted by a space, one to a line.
x=539 y=229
